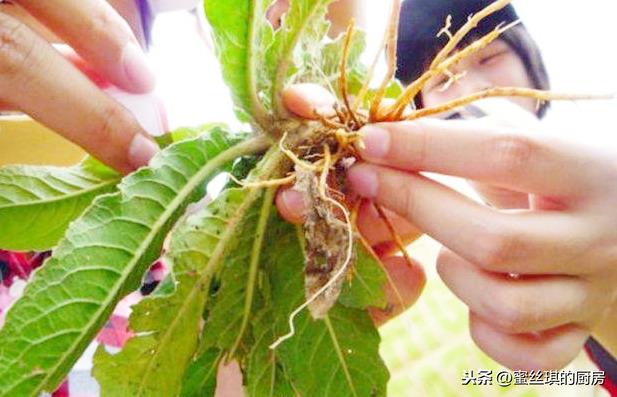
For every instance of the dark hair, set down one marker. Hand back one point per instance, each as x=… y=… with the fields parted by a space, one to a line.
x=418 y=44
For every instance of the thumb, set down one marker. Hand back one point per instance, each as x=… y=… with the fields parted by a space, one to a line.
x=306 y=100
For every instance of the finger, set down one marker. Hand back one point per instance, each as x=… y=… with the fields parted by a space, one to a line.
x=515 y=305
x=37 y=80
x=373 y=228
x=376 y=232
x=404 y=286
x=305 y=100
x=548 y=350
x=476 y=150
x=100 y=36
x=290 y=205
x=523 y=242
x=229 y=380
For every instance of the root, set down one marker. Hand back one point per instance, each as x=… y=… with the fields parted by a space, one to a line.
x=441 y=61
x=330 y=283
x=471 y=23
x=371 y=72
x=343 y=71
x=391 y=46
x=446 y=29
x=395 y=236
x=540 y=95
x=477 y=45
x=292 y=156
x=263 y=184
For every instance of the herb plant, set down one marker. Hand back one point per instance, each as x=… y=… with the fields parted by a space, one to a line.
x=241 y=277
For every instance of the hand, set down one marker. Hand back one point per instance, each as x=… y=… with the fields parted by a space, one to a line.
x=36 y=79
x=303 y=100
x=537 y=282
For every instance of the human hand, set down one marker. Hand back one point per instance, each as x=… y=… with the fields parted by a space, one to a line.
x=37 y=80
x=303 y=100
x=538 y=281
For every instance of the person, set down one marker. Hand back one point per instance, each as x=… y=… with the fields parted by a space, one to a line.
x=536 y=264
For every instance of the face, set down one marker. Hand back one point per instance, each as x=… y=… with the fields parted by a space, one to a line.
x=497 y=65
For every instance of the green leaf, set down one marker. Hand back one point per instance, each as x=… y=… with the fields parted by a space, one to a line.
x=200 y=380
x=102 y=258
x=366 y=287
x=184 y=133
x=358 y=76
x=325 y=69
x=304 y=22
x=167 y=328
x=265 y=376
x=236 y=299
x=242 y=168
x=337 y=356
x=237 y=29
x=38 y=203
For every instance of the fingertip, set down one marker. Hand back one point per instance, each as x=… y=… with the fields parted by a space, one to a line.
x=306 y=99
x=404 y=289
x=363 y=179
x=141 y=151
x=290 y=204
x=409 y=278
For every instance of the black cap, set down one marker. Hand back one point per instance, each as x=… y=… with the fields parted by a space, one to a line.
x=421 y=20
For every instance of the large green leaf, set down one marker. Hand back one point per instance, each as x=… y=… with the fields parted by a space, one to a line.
x=225 y=236
x=38 y=203
x=337 y=356
x=102 y=258
x=237 y=30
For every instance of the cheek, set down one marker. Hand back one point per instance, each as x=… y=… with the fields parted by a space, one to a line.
x=509 y=72
x=436 y=97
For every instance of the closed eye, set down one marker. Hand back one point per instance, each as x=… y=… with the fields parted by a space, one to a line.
x=492 y=57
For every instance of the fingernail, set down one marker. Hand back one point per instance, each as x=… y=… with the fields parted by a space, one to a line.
x=375 y=142
x=364 y=180
x=136 y=68
x=141 y=151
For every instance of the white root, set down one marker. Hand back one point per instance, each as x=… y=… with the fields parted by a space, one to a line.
x=331 y=282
